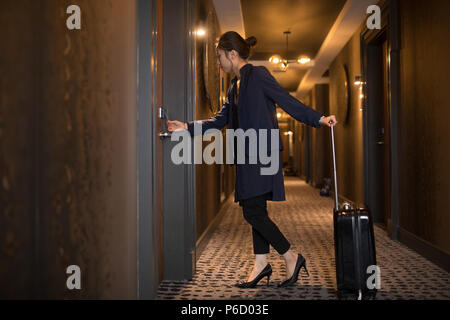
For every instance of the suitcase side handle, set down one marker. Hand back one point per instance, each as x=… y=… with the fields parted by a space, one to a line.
x=336 y=203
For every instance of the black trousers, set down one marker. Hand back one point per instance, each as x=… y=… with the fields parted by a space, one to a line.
x=264 y=230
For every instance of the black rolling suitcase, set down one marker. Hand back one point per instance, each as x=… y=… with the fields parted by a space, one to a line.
x=356 y=270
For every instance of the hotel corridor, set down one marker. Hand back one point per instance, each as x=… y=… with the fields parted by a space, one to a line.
x=102 y=198
x=306 y=219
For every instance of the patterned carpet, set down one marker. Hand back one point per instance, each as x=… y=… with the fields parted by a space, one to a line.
x=306 y=221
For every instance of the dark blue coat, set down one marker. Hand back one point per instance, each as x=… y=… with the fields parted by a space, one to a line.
x=259 y=91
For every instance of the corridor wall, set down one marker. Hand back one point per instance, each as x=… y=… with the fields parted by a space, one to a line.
x=68 y=114
x=208 y=193
x=88 y=149
x=348 y=135
x=424 y=153
x=424 y=174
x=17 y=145
x=312 y=145
x=320 y=138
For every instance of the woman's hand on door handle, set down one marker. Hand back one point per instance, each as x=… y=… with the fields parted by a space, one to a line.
x=173 y=125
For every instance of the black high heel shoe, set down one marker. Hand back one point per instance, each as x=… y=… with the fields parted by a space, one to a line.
x=301 y=263
x=266 y=272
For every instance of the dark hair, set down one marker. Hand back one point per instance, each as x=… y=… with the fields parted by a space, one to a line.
x=233 y=41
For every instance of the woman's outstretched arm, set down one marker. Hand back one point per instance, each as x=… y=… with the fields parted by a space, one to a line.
x=288 y=103
x=219 y=121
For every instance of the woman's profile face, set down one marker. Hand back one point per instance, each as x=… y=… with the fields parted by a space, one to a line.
x=224 y=62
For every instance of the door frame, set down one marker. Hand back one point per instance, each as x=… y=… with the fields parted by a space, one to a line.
x=389 y=27
x=148 y=268
x=179 y=100
x=161 y=220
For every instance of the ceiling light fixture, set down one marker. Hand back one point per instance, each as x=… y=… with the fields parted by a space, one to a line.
x=275 y=59
x=303 y=60
x=283 y=63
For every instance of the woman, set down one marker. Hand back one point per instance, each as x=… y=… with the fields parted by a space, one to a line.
x=251 y=105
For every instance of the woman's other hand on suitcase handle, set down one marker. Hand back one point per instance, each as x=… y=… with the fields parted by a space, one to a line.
x=328 y=121
x=173 y=125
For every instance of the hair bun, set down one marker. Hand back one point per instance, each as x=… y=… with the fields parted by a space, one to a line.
x=251 y=41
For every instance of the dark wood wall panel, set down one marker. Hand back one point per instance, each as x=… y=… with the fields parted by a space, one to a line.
x=80 y=208
x=18 y=95
x=88 y=149
x=424 y=128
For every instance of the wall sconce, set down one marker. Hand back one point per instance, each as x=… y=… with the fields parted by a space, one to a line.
x=200 y=32
x=358 y=81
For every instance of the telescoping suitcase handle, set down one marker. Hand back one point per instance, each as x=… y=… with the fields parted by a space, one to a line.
x=336 y=203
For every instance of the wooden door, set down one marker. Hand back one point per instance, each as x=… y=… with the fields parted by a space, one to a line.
x=159 y=192
x=384 y=138
x=378 y=131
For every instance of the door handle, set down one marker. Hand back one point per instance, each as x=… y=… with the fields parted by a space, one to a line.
x=380 y=143
x=162 y=114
